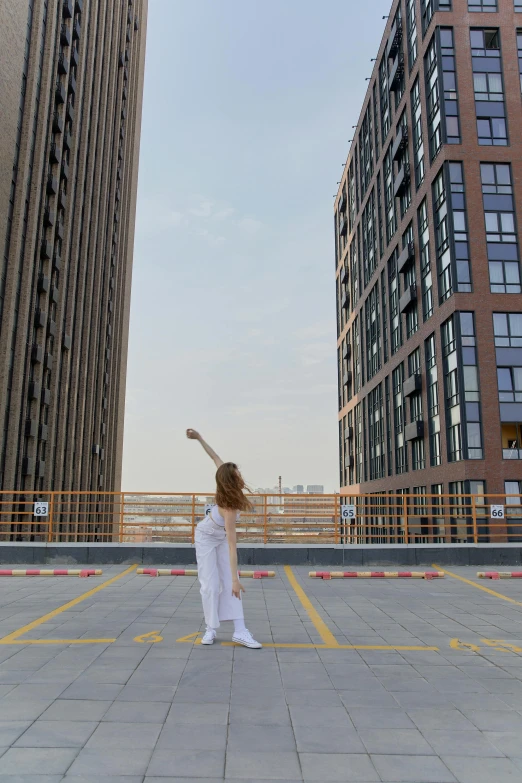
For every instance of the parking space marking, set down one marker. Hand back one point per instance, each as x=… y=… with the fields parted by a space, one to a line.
x=329 y=640
x=478 y=587
x=318 y=622
x=14 y=637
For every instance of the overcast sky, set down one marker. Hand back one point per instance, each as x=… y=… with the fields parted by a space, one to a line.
x=247 y=114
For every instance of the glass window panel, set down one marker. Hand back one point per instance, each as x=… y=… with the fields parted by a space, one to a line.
x=504 y=379
x=500 y=324
x=512 y=272
x=515 y=324
x=487 y=173
x=474 y=437
x=466 y=324
x=459 y=221
x=491 y=221
x=480 y=82
x=508 y=222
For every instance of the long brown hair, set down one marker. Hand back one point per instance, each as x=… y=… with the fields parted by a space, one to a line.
x=230 y=488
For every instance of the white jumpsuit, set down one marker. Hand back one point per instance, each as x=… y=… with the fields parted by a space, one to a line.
x=214 y=573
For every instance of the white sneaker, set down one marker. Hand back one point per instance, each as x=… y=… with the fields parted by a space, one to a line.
x=246 y=639
x=209 y=636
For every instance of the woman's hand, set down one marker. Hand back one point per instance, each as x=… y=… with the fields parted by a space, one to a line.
x=193 y=435
x=237 y=589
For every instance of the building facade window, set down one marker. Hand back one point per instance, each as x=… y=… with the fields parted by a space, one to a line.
x=354 y=272
x=449 y=78
x=418 y=141
x=433 y=99
x=411 y=25
x=366 y=149
x=403 y=167
x=358 y=444
x=425 y=264
x=460 y=227
x=518 y=6
x=352 y=211
x=519 y=50
x=508 y=330
x=379 y=215
x=384 y=93
x=472 y=411
x=399 y=420
x=488 y=87
x=373 y=333
x=384 y=316
x=357 y=357
x=389 y=196
x=376 y=433
x=442 y=243
x=452 y=391
x=501 y=232
x=412 y=317
x=482 y=6
x=369 y=239
x=418 y=458
x=395 y=293
x=432 y=382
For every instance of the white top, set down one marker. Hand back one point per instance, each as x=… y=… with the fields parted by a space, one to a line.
x=216 y=517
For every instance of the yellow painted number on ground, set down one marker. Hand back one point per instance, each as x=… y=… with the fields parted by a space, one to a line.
x=149 y=638
x=496 y=644
x=456 y=644
x=501 y=646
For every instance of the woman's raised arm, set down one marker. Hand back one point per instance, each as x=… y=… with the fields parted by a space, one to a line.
x=193 y=435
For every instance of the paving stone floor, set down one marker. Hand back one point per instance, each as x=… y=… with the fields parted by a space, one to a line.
x=150 y=711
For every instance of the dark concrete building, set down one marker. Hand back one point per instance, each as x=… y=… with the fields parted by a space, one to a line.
x=71 y=91
x=427 y=241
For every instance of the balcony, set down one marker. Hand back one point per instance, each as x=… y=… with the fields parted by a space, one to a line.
x=43 y=284
x=345 y=301
x=51 y=328
x=136 y=23
x=27 y=466
x=54 y=153
x=49 y=217
x=412 y=385
x=70 y=111
x=414 y=430
x=46 y=250
x=342 y=202
x=347 y=351
x=406 y=258
x=34 y=390
x=396 y=73
x=55 y=295
x=347 y=378
x=43 y=432
x=72 y=85
x=65 y=36
x=67 y=342
x=49 y=361
x=40 y=468
x=37 y=354
x=65 y=170
x=40 y=319
x=76 y=30
x=348 y=433
x=343 y=225
x=402 y=180
x=343 y=276
x=62 y=200
x=57 y=124
x=31 y=428
x=401 y=141
x=46 y=397
x=67 y=9
x=60 y=95
x=349 y=461
x=394 y=39
x=57 y=261
x=79 y=6
x=75 y=57
x=60 y=230
x=67 y=141
x=63 y=64
x=408 y=298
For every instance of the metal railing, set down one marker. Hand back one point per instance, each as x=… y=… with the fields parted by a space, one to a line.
x=147 y=518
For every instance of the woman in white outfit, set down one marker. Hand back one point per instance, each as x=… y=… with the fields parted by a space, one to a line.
x=216 y=553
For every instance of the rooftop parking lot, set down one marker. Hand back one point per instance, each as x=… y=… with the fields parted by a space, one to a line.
x=359 y=680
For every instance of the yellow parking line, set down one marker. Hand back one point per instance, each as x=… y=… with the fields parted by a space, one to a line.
x=319 y=624
x=479 y=587
x=59 y=641
x=13 y=638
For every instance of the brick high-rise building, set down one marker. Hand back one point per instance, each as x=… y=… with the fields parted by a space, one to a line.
x=71 y=87
x=427 y=257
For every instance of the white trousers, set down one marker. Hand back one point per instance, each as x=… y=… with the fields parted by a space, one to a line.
x=214 y=575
